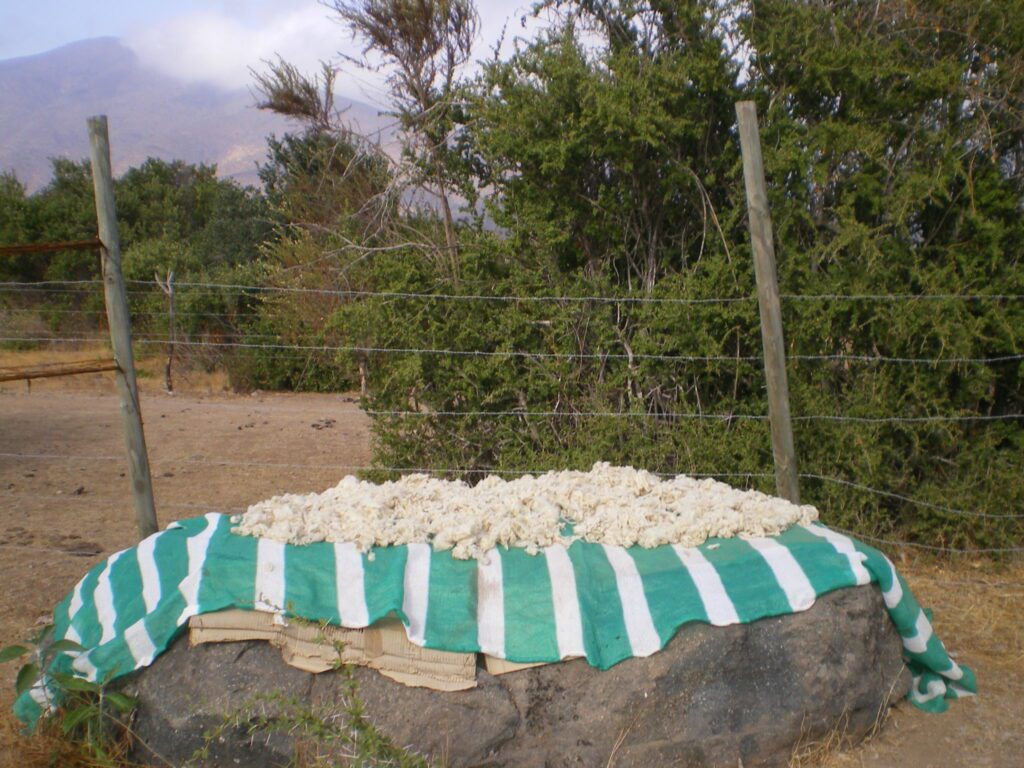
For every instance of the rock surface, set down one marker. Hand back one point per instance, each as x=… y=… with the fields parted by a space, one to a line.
x=714 y=696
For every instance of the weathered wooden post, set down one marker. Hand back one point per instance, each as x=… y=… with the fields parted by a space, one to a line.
x=786 y=482
x=167 y=286
x=120 y=329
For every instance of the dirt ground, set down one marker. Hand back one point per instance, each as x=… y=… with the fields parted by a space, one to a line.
x=65 y=504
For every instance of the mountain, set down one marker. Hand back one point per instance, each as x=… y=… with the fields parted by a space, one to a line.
x=45 y=100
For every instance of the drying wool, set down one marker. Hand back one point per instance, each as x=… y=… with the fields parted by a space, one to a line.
x=607 y=505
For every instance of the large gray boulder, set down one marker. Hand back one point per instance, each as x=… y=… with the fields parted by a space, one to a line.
x=715 y=696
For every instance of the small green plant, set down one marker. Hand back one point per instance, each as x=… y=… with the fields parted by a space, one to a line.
x=86 y=713
x=339 y=735
x=36 y=657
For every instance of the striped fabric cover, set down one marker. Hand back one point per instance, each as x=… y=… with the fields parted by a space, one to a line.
x=606 y=603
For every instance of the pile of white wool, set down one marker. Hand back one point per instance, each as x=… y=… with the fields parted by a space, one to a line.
x=607 y=505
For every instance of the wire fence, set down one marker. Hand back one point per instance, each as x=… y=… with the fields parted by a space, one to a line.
x=311 y=345
x=308 y=346
x=561 y=299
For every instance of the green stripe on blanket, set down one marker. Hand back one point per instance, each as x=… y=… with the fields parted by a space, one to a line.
x=600 y=601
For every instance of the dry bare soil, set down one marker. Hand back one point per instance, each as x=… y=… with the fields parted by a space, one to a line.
x=65 y=505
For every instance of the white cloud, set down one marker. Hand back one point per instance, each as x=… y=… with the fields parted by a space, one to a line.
x=219 y=44
x=219 y=47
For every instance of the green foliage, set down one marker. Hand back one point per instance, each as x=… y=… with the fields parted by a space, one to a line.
x=896 y=137
x=89 y=715
x=615 y=161
x=14 y=223
x=171 y=216
x=615 y=170
x=321 y=180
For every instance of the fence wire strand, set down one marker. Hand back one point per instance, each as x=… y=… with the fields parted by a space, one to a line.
x=908 y=499
x=563 y=299
x=158 y=461
x=526 y=354
x=350 y=467
x=932 y=547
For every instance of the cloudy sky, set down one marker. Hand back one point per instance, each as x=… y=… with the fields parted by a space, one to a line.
x=217 y=41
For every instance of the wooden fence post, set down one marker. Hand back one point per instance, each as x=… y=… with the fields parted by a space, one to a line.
x=786 y=481
x=120 y=328
x=167 y=286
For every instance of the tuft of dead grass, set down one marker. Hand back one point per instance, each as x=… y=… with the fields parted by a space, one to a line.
x=47 y=747
x=812 y=753
x=978 y=605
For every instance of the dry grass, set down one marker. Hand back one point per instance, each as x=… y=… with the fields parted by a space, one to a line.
x=817 y=752
x=978 y=605
x=47 y=747
x=978 y=608
x=811 y=753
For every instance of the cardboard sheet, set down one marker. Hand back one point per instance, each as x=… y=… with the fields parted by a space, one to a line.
x=322 y=647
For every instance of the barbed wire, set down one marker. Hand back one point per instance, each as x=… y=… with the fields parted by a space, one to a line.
x=296 y=357
x=299 y=350
x=403 y=350
x=935 y=419
x=507 y=298
x=667 y=415
x=74 y=291
x=902 y=297
x=352 y=467
x=908 y=499
x=525 y=354
x=102 y=312
x=424 y=296
x=594 y=298
x=491 y=470
x=908 y=360
x=17 y=284
x=611 y=355
x=931 y=547
x=684 y=415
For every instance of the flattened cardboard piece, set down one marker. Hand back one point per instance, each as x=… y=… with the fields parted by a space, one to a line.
x=497 y=666
x=315 y=647
x=388 y=650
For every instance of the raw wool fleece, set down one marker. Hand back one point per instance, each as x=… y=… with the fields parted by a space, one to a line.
x=607 y=505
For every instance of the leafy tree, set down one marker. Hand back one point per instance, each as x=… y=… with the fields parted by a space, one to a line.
x=13 y=209
x=615 y=159
x=14 y=228
x=327 y=181
x=892 y=138
x=423 y=43
x=171 y=215
x=239 y=224
x=64 y=210
x=165 y=199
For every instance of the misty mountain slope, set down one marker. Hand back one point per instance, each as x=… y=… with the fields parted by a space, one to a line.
x=45 y=100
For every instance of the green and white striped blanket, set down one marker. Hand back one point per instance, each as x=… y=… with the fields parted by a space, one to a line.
x=603 y=602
